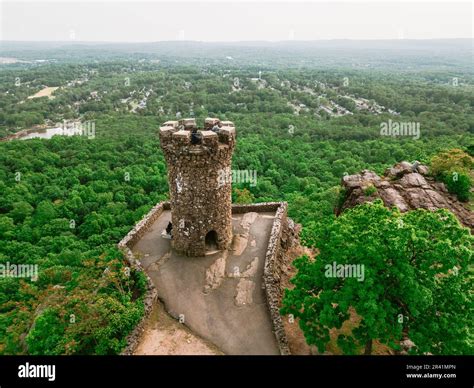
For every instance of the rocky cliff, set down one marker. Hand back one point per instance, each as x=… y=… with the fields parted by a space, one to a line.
x=406 y=186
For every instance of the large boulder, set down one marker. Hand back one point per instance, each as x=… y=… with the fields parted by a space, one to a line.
x=406 y=186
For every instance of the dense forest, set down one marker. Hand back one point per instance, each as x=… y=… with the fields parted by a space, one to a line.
x=65 y=202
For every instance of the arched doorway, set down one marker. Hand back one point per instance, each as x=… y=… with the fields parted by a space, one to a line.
x=211 y=240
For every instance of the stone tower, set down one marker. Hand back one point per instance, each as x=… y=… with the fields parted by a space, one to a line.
x=199 y=176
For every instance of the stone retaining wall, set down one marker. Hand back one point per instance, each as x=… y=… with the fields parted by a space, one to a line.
x=256 y=207
x=271 y=273
x=125 y=246
x=142 y=226
x=273 y=263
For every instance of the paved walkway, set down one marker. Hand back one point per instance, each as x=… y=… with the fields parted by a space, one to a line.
x=218 y=296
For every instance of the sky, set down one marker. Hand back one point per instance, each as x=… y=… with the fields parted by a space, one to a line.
x=218 y=21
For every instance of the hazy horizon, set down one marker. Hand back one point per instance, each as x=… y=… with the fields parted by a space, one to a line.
x=228 y=42
x=232 y=22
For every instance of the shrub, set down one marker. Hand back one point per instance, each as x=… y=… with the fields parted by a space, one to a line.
x=454 y=167
x=459 y=184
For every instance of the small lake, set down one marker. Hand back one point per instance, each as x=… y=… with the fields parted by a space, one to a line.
x=48 y=133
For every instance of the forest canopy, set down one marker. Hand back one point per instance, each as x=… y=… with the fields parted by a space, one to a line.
x=65 y=202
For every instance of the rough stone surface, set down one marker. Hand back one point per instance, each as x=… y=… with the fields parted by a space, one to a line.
x=150 y=297
x=165 y=336
x=199 y=176
x=405 y=186
x=244 y=292
x=284 y=234
x=200 y=190
x=215 y=274
x=214 y=315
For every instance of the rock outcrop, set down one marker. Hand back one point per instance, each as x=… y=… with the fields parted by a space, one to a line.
x=406 y=186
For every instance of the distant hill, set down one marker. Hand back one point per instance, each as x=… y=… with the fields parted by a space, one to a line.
x=395 y=54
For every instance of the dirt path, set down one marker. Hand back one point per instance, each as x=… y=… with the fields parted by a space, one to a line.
x=165 y=336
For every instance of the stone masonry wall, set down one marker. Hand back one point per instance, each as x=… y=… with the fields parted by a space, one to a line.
x=256 y=207
x=200 y=188
x=272 y=275
x=279 y=242
x=282 y=237
x=125 y=246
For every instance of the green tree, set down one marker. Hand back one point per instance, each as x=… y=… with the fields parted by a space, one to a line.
x=451 y=160
x=459 y=184
x=416 y=281
x=6 y=227
x=455 y=168
x=46 y=334
x=20 y=211
x=44 y=213
x=243 y=196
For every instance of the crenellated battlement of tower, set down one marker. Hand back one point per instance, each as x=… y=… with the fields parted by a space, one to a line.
x=184 y=137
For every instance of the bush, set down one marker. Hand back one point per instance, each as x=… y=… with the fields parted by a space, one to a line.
x=451 y=160
x=459 y=184
x=370 y=190
x=454 y=168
